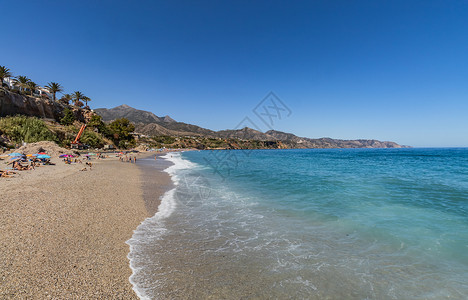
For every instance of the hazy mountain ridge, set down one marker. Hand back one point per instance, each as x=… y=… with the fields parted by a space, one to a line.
x=133 y=114
x=149 y=124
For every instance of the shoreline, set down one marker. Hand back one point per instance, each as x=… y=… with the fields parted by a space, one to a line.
x=64 y=231
x=152 y=172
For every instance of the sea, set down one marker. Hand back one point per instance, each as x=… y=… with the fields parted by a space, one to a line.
x=307 y=224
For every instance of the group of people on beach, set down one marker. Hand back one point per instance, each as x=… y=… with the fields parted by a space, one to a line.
x=20 y=167
x=131 y=159
x=22 y=163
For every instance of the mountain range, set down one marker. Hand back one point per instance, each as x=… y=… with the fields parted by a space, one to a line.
x=149 y=124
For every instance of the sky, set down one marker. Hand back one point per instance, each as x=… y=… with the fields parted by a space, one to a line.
x=387 y=70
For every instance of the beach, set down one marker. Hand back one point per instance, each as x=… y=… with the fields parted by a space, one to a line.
x=64 y=231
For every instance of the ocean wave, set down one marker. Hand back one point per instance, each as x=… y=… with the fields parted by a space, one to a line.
x=153 y=228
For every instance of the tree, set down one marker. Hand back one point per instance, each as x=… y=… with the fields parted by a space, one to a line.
x=68 y=117
x=21 y=82
x=53 y=88
x=32 y=86
x=4 y=73
x=96 y=122
x=77 y=97
x=121 y=130
x=66 y=99
x=92 y=139
x=86 y=100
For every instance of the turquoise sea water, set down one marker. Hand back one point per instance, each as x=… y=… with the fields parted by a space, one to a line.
x=305 y=224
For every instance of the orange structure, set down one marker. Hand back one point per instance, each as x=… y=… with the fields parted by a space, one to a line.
x=76 y=143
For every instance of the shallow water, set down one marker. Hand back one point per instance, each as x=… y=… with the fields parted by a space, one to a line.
x=324 y=224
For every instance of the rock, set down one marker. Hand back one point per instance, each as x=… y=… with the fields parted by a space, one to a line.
x=12 y=104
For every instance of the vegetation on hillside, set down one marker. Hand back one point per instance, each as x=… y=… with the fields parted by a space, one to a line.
x=26 y=129
x=68 y=117
x=121 y=130
x=18 y=129
x=189 y=142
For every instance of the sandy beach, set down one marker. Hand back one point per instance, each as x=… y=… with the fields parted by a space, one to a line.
x=63 y=231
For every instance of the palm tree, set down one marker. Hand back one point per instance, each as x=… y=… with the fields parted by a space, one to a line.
x=66 y=98
x=21 y=82
x=77 y=96
x=53 y=88
x=4 y=73
x=32 y=86
x=86 y=100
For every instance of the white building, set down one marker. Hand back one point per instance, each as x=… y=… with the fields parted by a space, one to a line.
x=43 y=91
x=40 y=91
x=8 y=81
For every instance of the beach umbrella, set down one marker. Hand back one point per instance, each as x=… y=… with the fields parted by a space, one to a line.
x=42 y=153
x=91 y=153
x=43 y=156
x=67 y=155
x=15 y=154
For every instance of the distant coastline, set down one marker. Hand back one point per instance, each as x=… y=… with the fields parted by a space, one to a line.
x=145 y=130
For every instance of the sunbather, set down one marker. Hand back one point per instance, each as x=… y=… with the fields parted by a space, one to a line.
x=6 y=173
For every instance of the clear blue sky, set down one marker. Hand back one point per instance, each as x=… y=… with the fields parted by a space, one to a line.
x=389 y=70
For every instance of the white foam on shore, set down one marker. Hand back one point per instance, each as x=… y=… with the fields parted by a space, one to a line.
x=152 y=228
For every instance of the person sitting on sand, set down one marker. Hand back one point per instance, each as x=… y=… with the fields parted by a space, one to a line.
x=18 y=166
x=47 y=162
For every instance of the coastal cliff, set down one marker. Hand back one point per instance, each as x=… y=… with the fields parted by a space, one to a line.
x=12 y=104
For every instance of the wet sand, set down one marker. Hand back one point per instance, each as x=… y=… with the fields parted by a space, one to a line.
x=154 y=182
x=63 y=231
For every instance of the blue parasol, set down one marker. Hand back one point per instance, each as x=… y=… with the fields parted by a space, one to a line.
x=15 y=154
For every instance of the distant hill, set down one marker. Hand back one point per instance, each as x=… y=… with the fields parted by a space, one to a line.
x=149 y=124
x=133 y=114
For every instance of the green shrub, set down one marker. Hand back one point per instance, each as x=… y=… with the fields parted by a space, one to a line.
x=68 y=117
x=164 y=139
x=93 y=139
x=120 y=132
x=26 y=129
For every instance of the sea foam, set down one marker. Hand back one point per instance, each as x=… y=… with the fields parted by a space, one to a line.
x=153 y=228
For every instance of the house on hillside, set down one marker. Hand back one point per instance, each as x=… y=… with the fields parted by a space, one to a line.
x=42 y=92
x=39 y=92
x=9 y=82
